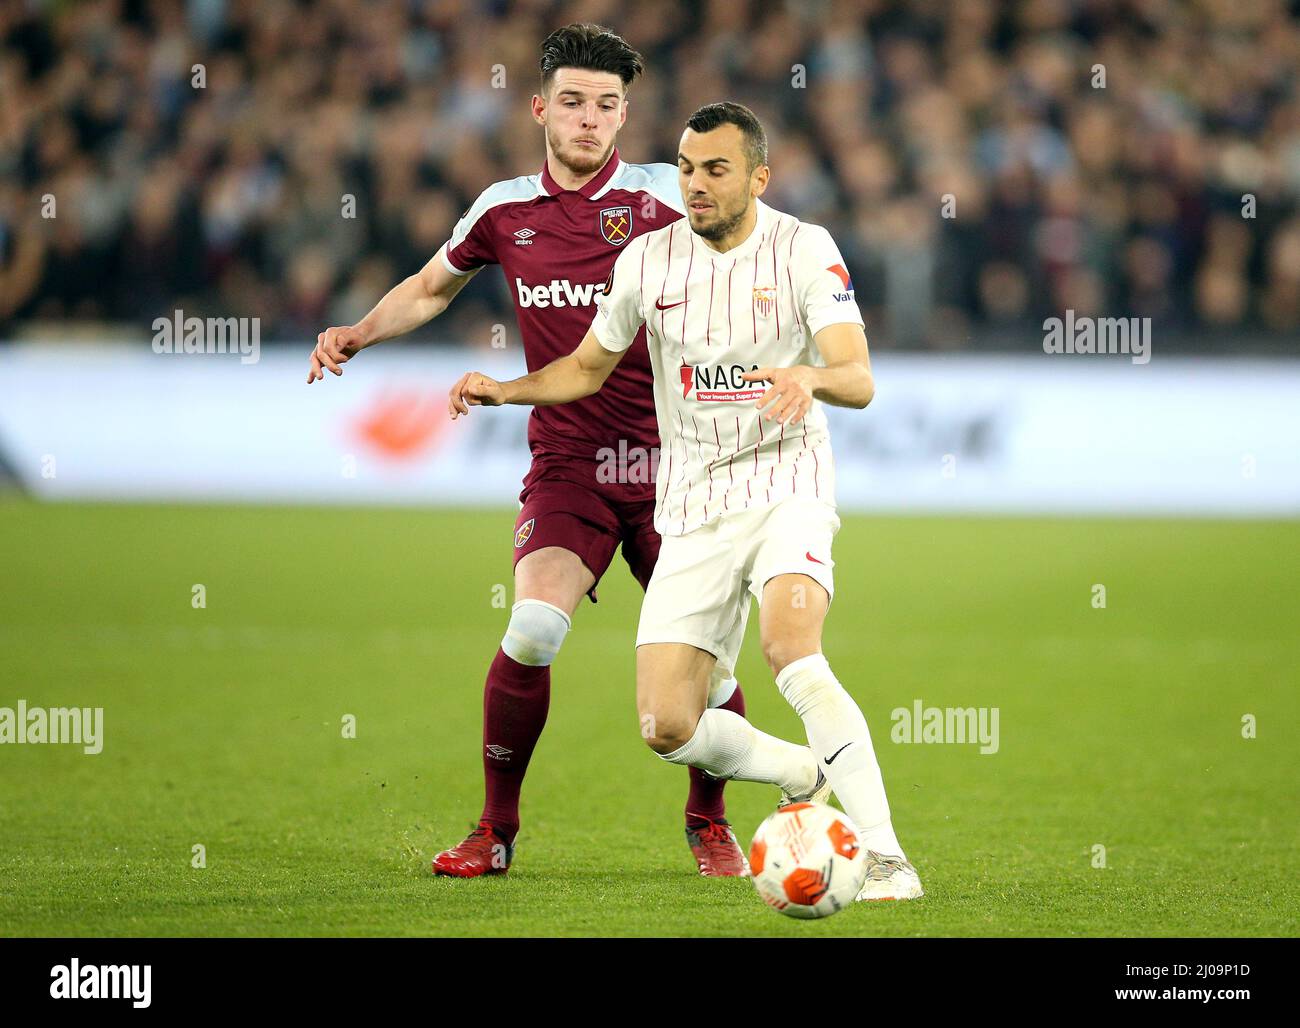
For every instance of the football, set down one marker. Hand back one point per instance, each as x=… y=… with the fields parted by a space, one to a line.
x=806 y=860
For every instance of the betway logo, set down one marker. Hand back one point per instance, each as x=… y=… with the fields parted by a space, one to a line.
x=559 y=292
x=720 y=383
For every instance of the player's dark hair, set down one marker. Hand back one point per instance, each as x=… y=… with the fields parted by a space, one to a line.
x=712 y=116
x=592 y=48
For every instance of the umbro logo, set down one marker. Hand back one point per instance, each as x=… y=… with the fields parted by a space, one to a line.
x=499 y=752
x=523 y=236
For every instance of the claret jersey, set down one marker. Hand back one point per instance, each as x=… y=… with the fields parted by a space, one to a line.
x=709 y=318
x=556 y=248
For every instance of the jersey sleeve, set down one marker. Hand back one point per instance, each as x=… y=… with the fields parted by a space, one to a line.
x=471 y=245
x=618 y=311
x=822 y=284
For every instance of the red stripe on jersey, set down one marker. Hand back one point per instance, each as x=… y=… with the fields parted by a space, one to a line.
x=731 y=478
x=796 y=476
x=760 y=441
x=729 y=274
x=670 y=481
x=681 y=426
x=718 y=439
x=753 y=307
x=771 y=471
x=794 y=300
x=776 y=290
x=686 y=293
x=708 y=327
x=664 y=285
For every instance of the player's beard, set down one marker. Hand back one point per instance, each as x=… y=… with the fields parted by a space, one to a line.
x=580 y=162
x=724 y=225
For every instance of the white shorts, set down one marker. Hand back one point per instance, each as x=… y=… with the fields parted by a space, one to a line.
x=699 y=593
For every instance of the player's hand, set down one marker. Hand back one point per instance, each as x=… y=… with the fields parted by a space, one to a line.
x=791 y=394
x=473 y=389
x=334 y=346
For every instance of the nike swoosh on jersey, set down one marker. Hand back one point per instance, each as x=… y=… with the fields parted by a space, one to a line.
x=808 y=554
x=667 y=306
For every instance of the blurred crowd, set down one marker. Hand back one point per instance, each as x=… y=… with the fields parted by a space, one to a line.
x=982 y=165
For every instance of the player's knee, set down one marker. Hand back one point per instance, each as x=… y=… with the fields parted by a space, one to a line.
x=535 y=633
x=781 y=652
x=666 y=733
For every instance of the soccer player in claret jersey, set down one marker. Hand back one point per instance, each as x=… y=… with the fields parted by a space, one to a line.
x=736 y=296
x=556 y=235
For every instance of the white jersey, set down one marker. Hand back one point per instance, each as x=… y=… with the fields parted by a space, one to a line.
x=709 y=318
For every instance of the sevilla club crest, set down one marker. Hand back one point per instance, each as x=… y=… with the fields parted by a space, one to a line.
x=616 y=225
x=763 y=299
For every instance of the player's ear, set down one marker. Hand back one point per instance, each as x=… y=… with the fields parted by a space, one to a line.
x=622 y=112
x=758 y=180
x=539 y=109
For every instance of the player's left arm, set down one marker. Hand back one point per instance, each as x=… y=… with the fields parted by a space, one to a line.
x=826 y=305
x=845 y=381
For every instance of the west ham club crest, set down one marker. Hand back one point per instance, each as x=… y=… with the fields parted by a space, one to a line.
x=616 y=225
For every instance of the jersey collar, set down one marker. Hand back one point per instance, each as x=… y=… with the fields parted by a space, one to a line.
x=592 y=188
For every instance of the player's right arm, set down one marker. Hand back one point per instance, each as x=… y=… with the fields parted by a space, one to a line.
x=580 y=373
x=408 y=305
x=564 y=380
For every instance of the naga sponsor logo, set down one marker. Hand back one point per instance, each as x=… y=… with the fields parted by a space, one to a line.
x=840 y=272
x=720 y=383
x=559 y=292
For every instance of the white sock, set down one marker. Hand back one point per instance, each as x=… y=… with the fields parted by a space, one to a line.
x=837 y=729
x=722 y=690
x=727 y=746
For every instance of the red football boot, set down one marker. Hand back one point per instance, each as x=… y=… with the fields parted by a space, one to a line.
x=484 y=852
x=716 y=850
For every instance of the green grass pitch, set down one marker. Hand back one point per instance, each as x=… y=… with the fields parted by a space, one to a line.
x=1119 y=727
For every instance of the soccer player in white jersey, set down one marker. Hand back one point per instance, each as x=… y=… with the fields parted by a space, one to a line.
x=736 y=296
